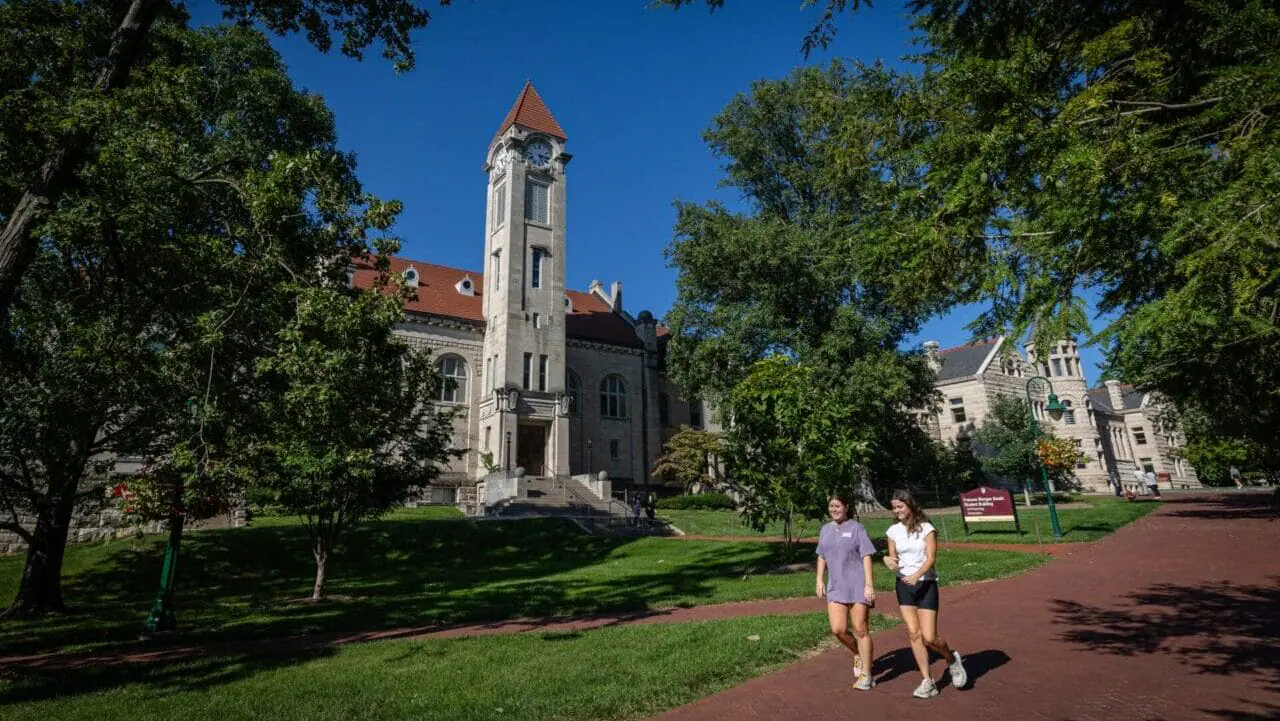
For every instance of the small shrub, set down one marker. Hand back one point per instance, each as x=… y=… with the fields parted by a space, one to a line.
x=699 y=502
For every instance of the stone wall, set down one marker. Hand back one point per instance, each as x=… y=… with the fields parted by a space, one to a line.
x=102 y=525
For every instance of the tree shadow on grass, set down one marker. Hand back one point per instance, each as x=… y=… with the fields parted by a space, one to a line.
x=1217 y=629
x=21 y=686
x=241 y=583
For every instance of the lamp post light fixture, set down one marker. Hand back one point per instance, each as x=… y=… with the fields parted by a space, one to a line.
x=1056 y=409
x=508 y=454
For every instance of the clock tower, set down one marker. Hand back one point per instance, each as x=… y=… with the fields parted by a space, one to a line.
x=524 y=419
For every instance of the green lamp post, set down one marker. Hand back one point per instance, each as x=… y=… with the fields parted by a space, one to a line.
x=1055 y=408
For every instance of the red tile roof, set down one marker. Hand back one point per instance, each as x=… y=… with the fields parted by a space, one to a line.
x=531 y=113
x=437 y=294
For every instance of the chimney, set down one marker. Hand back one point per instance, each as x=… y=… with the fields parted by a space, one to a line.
x=615 y=296
x=1116 y=397
x=931 y=354
x=647 y=329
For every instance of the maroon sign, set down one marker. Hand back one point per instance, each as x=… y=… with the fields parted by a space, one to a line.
x=987 y=504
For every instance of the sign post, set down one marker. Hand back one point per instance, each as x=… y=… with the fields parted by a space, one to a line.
x=988 y=505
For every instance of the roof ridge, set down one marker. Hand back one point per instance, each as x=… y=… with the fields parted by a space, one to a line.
x=531 y=111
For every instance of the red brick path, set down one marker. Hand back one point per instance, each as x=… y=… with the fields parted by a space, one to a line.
x=1174 y=617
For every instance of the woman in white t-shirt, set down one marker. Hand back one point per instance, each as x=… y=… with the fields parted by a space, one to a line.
x=913 y=546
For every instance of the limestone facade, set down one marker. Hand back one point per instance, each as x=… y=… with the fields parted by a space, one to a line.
x=1116 y=427
x=553 y=380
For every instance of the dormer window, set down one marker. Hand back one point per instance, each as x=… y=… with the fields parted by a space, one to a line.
x=466 y=286
x=411 y=277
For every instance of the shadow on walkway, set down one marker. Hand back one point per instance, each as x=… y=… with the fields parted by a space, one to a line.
x=1217 y=629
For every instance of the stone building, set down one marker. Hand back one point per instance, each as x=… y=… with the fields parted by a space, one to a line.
x=556 y=381
x=1116 y=427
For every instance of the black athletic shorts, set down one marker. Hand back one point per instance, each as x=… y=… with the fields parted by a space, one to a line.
x=922 y=595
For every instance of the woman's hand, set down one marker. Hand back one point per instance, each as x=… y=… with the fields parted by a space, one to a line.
x=820 y=589
x=891 y=562
x=870 y=593
x=912 y=579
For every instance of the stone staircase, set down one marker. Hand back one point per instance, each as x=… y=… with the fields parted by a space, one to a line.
x=567 y=498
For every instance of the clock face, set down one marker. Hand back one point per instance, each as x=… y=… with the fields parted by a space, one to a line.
x=500 y=161
x=538 y=154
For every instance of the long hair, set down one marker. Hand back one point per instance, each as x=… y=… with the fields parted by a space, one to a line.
x=850 y=509
x=917 y=516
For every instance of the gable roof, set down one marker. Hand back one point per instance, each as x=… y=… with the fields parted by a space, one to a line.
x=437 y=295
x=531 y=113
x=965 y=360
x=1130 y=396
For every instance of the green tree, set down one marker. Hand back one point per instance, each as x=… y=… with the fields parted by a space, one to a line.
x=689 y=458
x=789 y=444
x=104 y=63
x=1005 y=445
x=351 y=426
x=1051 y=150
x=797 y=275
x=214 y=193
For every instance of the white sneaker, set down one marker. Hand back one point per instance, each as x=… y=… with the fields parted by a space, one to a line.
x=959 y=677
x=926 y=689
x=864 y=683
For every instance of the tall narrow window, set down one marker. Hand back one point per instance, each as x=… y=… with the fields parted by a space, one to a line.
x=535 y=269
x=495 y=269
x=536 y=196
x=613 y=398
x=537 y=320
x=574 y=387
x=613 y=449
x=957 y=410
x=528 y=369
x=664 y=409
x=542 y=372
x=1069 y=414
x=1057 y=366
x=695 y=413
x=499 y=205
x=453 y=371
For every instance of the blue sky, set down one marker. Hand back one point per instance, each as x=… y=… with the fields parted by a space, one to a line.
x=633 y=88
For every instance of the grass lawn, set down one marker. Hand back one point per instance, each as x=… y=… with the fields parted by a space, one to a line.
x=410 y=570
x=1103 y=517
x=624 y=672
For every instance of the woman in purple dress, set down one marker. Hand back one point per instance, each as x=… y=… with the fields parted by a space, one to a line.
x=844 y=556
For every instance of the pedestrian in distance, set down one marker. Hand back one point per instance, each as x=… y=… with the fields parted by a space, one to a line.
x=1235 y=477
x=1153 y=484
x=913 y=549
x=844 y=557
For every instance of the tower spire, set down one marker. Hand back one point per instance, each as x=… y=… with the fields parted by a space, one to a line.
x=530 y=113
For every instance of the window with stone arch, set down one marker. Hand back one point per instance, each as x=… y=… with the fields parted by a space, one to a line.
x=613 y=397
x=453 y=371
x=1068 y=414
x=572 y=386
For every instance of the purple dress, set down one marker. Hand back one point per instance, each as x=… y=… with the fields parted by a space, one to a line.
x=843 y=547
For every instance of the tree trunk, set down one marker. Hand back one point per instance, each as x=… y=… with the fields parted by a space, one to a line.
x=40 y=590
x=17 y=244
x=322 y=557
x=866 y=493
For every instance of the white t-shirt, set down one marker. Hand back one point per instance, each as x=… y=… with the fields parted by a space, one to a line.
x=911 y=549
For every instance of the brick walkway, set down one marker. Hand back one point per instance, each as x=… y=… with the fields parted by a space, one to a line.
x=1174 y=617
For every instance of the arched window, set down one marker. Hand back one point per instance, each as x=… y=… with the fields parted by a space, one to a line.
x=573 y=387
x=453 y=370
x=1068 y=415
x=613 y=398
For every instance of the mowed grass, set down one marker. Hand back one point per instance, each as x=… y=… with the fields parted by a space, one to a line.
x=1103 y=516
x=414 y=570
x=625 y=672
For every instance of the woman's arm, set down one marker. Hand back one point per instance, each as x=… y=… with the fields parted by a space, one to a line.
x=930 y=552
x=869 y=590
x=891 y=556
x=820 y=588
